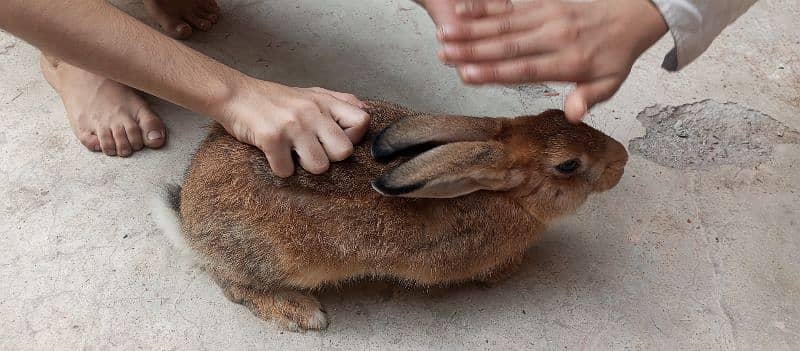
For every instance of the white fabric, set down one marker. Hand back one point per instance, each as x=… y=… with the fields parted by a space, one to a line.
x=695 y=23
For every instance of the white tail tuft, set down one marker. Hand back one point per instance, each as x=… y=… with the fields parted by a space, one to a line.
x=167 y=218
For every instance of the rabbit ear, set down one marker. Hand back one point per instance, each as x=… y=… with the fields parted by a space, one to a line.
x=427 y=130
x=451 y=170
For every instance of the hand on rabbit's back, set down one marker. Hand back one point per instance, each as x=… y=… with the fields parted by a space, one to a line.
x=234 y=161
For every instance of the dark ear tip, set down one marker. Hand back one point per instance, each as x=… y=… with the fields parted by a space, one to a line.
x=380 y=150
x=382 y=185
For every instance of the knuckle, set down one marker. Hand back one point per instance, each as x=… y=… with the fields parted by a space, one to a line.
x=363 y=119
x=578 y=62
x=529 y=71
x=342 y=152
x=469 y=52
x=566 y=33
x=318 y=167
x=267 y=139
x=511 y=48
x=306 y=107
x=504 y=26
x=559 y=10
x=571 y=14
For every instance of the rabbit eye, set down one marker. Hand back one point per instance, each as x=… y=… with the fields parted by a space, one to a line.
x=570 y=166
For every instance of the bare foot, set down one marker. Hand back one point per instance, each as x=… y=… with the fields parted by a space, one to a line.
x=292 y=309
x=177 y=17
x=105 y=115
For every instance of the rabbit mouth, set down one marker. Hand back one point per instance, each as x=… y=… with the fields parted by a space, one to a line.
x=611 y=176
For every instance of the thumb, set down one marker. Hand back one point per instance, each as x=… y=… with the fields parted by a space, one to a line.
x=587 y=94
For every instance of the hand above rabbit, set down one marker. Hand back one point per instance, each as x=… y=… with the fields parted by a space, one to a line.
x=449 y=199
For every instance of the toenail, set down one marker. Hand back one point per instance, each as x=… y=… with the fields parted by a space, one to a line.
x=97 y=148
x=154 y=134
x=182 y=28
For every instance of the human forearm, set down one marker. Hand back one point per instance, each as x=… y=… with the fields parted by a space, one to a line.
x=98 y=37
x=318 y=125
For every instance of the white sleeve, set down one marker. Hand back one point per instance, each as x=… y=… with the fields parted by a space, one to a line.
x=694 y=24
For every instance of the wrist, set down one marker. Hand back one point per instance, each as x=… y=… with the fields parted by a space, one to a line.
x=649 y=18
x=225 y=98
x=639 y=20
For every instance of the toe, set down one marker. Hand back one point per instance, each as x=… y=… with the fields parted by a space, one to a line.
x=210 y=16
x=153 y=130
x=178 y=29
x=107 y=143
x=134 y=134
x=211 y=6
x=121 y=141
x=172 y=25
x=90 y=140
x=197 y=22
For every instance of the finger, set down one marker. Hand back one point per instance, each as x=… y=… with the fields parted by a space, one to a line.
x=481 y=8
x=541 y=68
x=280 y=160
x=336 y=143
x=311 y=153
x=587 y=95
x=505 y=47
x=493 y=26
x=348 y=98
x=353 y=120
x=121 y=141
x=107 y=143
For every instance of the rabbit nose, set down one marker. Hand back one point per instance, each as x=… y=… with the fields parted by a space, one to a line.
x=616 y=153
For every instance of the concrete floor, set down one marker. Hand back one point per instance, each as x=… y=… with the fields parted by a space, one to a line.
x=702 y=257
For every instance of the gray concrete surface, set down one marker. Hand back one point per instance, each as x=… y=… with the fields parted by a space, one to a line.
x=673 y=258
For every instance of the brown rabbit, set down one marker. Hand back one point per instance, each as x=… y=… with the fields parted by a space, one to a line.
x=466 y=209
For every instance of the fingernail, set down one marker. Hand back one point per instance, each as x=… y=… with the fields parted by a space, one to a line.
x=442 y=56
x=462 y=8
x=470 y=71
x=443 y=31
x=450 y=50
x=182 y=28
x=154 y=134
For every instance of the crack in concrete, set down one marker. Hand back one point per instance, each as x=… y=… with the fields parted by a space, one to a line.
x=696 y=180
x=6 y=49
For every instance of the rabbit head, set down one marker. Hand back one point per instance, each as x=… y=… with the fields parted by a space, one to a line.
x=545 y=163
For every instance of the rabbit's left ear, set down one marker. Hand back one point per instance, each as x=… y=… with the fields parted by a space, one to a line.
x=426 y=130
x=451 y=170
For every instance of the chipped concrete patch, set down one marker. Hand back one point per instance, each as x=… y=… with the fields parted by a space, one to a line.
x=709 y=133
x=536 y=90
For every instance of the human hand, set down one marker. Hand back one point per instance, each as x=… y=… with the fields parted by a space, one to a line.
x=593 y=44
x=320 y=125
x=441 y=11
